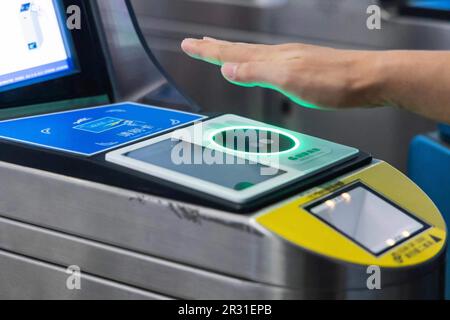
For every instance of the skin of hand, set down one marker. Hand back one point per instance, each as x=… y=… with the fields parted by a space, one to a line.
x=327 y=78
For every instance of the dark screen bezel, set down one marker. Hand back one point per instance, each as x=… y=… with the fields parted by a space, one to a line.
x=356 y=185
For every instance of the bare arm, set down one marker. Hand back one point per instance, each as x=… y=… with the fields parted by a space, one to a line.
x=320 y=77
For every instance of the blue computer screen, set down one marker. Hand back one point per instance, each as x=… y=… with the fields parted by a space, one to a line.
x=36 y=45
x=430 y=4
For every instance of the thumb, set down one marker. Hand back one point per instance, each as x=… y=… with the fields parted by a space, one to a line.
x=253 y=73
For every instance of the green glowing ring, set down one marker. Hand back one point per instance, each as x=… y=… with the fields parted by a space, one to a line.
x=234 y=128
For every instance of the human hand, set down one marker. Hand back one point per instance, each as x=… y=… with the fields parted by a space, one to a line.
x=312 y=76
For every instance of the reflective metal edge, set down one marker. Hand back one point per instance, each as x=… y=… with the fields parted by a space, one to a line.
x=132 y=268
x=27 y=279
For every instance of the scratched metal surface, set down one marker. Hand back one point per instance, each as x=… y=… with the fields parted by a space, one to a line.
x=164 y=246
x=22 y=278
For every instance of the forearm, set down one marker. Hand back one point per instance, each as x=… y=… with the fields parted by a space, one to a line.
x=320 y=77
x=418 y=81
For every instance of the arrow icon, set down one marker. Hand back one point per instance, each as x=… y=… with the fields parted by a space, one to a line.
x=436 y=239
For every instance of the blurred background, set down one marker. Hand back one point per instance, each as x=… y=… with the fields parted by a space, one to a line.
x=385 y=132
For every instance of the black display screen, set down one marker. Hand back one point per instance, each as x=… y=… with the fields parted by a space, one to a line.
x=367 y=218
x=227 y=173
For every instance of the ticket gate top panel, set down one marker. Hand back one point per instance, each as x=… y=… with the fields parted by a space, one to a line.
x=235 y=157
x=147 y=148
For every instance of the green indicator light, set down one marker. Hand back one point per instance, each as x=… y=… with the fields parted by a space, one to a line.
x=292 y=97
x=294 y=142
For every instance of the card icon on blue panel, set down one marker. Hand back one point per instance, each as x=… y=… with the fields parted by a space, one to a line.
x=94 y=130
x=101 y=125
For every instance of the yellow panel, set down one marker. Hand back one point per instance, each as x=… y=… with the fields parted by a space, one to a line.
x=293 y=223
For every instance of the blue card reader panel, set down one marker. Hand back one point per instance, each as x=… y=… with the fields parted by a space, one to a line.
x=94 y=130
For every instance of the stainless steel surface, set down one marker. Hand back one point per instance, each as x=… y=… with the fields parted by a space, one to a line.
x=230 y=251
x=45 y=281
x=142 y=223
x=133 y=73
x=139 y=270
x=339 y=23
x=384 y=132
x=24 y=278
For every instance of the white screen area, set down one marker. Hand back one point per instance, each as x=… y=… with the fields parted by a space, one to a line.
x=32 y=42
x=367 y=219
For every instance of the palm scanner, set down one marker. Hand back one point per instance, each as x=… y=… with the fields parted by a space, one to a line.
x=155 y=200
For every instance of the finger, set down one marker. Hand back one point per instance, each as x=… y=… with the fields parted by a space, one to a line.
x=261 y=73
x=219 y=52
x=216 y=40
x=229 y=42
